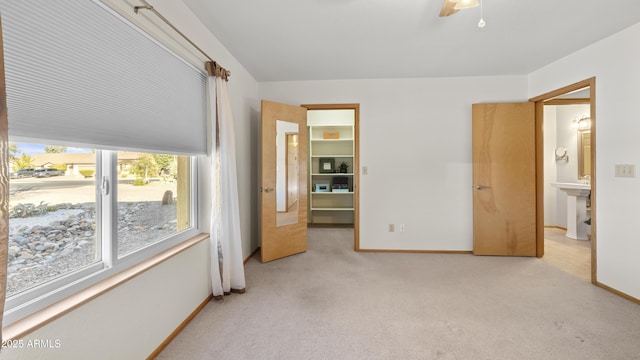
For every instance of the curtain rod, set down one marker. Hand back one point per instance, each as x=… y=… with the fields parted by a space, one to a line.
x=148 y=6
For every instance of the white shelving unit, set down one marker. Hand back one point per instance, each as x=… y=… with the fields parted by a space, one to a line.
x=331 y=207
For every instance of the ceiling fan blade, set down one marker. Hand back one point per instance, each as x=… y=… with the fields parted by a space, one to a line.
x=448 y=8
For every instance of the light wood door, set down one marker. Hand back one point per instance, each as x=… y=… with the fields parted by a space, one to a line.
x=282 y=233
x=504 y=179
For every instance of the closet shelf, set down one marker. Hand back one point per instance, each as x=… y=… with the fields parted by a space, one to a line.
x=331 y=209
x=331 y=174
x=333 y=155
x=331 y=193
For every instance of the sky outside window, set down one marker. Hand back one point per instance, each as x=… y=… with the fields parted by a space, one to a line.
x=32 y=149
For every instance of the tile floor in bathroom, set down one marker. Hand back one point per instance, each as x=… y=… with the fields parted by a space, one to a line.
x=572 y=256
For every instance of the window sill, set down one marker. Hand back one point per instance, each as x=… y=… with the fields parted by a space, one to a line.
x=47 y=315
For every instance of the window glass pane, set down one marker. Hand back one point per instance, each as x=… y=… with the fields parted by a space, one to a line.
x=153 y=198
x=52 y=213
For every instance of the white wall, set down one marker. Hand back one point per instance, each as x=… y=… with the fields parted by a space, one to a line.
x=132 y=320
x=550 y=168
x=614 y=63
x=568 y=137
x=415 y=139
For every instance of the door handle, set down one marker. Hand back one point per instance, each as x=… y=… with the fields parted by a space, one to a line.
x=481 y=187
x=266 y=189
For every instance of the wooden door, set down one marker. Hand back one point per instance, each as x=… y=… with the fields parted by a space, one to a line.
x=504 y=179
x=282 y=233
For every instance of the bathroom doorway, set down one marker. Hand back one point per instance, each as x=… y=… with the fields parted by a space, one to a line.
x=565 y=125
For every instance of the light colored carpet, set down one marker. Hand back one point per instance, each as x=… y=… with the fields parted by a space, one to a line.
x=334 y=303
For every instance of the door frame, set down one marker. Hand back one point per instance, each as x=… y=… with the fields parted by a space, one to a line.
x=356 y=162
x=539 y=121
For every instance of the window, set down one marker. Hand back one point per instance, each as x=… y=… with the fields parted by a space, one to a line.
x=112 y=209
x=52 y=230
x=61 y=228
x=148 y=199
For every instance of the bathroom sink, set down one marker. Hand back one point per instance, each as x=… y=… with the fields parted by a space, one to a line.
x=571 y=185
x=576 y=208
x=574 y=189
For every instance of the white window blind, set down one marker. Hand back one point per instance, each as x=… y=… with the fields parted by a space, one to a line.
x=77 y=72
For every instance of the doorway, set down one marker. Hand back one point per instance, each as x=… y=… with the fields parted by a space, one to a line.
x=569 y=95
x=285 y=179
x=333 y=166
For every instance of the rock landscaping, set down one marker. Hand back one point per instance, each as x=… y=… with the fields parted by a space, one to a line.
x=56 y=243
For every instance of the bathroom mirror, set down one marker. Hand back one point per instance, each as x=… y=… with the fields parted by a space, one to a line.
x=584 y=154
x=287 y=170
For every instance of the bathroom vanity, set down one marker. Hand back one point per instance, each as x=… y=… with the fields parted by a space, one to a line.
x=576 y=208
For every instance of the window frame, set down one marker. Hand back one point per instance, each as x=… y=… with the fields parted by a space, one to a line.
x=27 y=302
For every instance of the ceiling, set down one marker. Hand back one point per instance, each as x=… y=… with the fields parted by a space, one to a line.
x=282 y=40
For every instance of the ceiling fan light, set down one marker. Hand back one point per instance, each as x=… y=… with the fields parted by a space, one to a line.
x=463 y=4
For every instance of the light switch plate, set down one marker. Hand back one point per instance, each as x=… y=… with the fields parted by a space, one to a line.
x=625 y=170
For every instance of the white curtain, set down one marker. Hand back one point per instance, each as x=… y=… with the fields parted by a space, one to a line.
x=227 y=268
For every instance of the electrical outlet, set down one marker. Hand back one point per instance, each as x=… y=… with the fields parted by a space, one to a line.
x=625 y=170
x=392 y=228
x=401 y=227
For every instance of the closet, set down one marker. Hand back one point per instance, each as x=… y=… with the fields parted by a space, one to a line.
x=332 y=166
